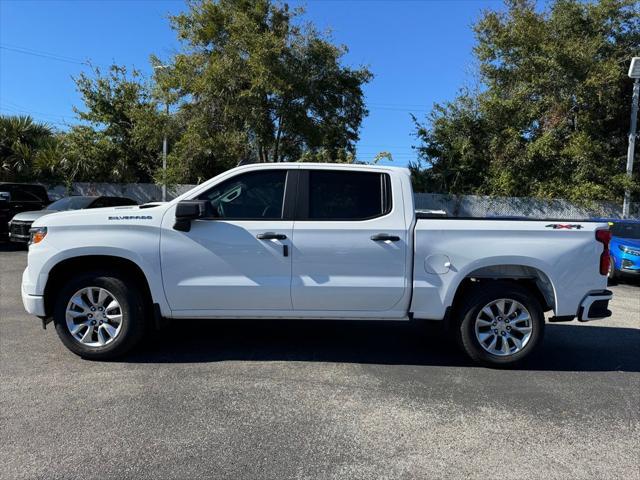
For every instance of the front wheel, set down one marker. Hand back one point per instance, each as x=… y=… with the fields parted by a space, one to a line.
x=500 y=324
x=100 y=315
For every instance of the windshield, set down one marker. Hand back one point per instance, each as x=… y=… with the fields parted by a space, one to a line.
x=626 y=230
x=71 y=203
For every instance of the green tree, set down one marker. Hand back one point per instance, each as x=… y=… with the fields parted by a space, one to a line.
x=20 y=140
x=122 y=138
x=552 y=115
x=254 y=84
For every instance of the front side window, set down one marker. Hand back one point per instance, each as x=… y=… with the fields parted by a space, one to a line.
x=344 y=195
x=249 y=196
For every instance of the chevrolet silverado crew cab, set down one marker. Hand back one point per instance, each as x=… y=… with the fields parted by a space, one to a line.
x=311 y=241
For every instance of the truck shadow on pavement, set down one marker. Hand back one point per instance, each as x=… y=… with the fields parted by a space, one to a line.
x=568 y=347
x=6 y=246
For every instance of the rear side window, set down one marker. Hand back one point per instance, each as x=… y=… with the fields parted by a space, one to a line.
x=100 y=203
x=336 y=195
x=26 y=193
x=122 y=201
x=111 y=202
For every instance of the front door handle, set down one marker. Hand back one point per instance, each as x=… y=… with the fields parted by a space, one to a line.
x=271 y=236
x=383 y=237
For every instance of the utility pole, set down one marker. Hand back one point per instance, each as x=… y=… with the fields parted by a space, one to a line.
x=634 y=72
x=164 y=156
x=164 y=141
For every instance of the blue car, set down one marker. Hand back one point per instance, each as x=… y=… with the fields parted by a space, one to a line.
x=625 y=248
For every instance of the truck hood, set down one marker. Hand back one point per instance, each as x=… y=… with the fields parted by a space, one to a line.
x=132 y=214
x=32 y=216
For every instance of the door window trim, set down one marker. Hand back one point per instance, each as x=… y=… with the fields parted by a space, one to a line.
x=304 y=193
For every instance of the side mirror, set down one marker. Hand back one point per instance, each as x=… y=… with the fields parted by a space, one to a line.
x=188 y=210
x=5 y=197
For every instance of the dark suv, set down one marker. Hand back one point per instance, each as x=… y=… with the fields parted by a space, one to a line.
x=19 y=197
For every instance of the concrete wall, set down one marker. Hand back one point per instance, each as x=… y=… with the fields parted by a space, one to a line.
x=483 y=206
x=140 y=192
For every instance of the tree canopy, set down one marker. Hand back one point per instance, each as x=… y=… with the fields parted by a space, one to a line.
x=21 y=141
x=251 y=82
x=255 y=84
x=551 y=115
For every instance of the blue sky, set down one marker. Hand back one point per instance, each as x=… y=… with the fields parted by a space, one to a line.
x=419 y=51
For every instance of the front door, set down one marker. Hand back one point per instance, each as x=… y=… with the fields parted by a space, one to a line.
x=239 y=261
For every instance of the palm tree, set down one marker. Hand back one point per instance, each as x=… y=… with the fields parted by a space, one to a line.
x=20 y=138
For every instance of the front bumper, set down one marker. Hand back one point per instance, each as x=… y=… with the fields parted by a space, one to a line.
x=19 y=238
x=19 y=231
x=630 y=265
x=595 y=306
x=628 y=261
x=33 y=304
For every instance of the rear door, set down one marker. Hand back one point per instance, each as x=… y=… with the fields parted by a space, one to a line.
x=350 y=243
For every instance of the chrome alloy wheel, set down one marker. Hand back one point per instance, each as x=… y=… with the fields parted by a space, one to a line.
x=503 y=327
x=94 y=316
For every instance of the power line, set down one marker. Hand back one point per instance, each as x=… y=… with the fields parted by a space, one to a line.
x=14 y=106
x=403 y=105
x=14 y=111
x=42 y=54
x=399 y=109
x=377 y=145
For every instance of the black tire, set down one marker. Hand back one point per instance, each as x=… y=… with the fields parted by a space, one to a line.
x=480 y=296
x=613 y=275
x=134 y=314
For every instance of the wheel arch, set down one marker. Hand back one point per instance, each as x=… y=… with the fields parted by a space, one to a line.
x=67 y=268
x=530 y=276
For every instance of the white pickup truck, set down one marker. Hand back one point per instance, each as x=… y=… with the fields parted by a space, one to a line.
x=311 y=241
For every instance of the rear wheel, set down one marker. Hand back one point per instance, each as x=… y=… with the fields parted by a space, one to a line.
x=100 y=315
x=500 y=324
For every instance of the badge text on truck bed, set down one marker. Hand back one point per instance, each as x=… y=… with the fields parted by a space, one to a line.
x=564 y=226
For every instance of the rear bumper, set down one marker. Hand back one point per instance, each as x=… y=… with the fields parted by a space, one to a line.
x=595 y=306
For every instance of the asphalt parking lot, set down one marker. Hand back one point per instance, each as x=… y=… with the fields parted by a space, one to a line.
x=317 y=400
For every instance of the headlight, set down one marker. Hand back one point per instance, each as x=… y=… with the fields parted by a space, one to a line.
x=37 y=234
x=630 y=251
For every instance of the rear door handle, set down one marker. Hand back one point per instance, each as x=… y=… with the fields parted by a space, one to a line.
x=271 y=236
x=383 y=237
